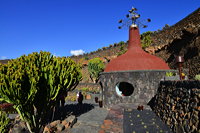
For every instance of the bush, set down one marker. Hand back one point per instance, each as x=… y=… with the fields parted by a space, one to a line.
x=86 y=58
x=146 y=39
x=197 y=77
x=71 y=97
x=122 y=50
x=85 y=89
x=34 y=83
x=4 y=122
x=95 y=66
x=104 y=48
x=169 y=74
x=121 y=43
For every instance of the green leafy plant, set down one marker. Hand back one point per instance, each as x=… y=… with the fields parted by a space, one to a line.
x=122 y=50
x=34 y=83
x=85 y=89
x=86 y=58
x=4 y=122
x=121 y=43
x=104 y=48
x=95 y=66
x=169 y=74
x=197 y=77
x=71 y=97
x=146 y=39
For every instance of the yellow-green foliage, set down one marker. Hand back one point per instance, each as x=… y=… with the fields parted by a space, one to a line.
x=95 y=66
x=197 y=77
x=71 y=97
x=122 y=50
x=169 y=74
x=33 y=83
x=85 y=89
x=146 y=39
x=4 y=121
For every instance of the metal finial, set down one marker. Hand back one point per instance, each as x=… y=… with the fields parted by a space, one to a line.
x=133 y=19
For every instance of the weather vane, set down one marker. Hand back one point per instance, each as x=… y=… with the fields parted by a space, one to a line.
x=132 y=19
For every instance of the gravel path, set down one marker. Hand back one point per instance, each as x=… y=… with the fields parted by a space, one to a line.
x=90 y=121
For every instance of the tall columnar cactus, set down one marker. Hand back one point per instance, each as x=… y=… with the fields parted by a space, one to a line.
x=95 y=66
x=4 y=122
x=33 y=83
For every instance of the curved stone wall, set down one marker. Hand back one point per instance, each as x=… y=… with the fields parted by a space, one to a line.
x=145 y=84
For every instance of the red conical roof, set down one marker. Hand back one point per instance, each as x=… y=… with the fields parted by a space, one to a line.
x=136 y=58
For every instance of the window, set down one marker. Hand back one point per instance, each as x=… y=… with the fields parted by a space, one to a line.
x=124 y=89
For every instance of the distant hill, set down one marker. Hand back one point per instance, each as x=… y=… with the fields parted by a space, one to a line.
x=4 y=61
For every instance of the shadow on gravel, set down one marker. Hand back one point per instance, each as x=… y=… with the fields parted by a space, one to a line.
x=72 y=109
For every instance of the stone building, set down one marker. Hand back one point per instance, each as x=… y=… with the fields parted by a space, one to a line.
x=132 y=77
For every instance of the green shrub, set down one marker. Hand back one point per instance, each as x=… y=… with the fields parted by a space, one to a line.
x=86 y=58
x=122 y=50
x=146 y=39
x=197 y=77
x=121 y=43
x=34 y=83
x=110 y=46
x=169 y=74
x=95 y=66
x=85 y=89
x=72 y=97
x=104 y=48
x=4 y=122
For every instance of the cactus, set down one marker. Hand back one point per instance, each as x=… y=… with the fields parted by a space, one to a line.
x=33 y=83
x=95 y=66
x=4 y=122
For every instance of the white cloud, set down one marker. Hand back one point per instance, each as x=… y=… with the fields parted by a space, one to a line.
x=77 y=52
x=3 y=57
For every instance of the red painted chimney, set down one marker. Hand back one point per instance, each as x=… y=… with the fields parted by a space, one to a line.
x=136 y=58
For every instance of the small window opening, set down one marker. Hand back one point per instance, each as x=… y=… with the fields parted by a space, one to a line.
x=124 y=89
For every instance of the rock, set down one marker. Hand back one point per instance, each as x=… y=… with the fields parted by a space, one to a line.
x=66 y=124
x=179 y=129
x=197 y=108
x=47 y=129
x=55 y=123
x=17 y=130
x=70 y=121
x=173 y=108
x=17 y=119
x=60 y=127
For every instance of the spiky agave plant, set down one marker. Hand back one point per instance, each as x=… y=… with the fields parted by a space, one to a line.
x=32 y=84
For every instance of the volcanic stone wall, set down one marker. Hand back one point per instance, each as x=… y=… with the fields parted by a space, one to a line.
x=183 y=38
x=95 y=86
x=177 y=103
x=145 y=84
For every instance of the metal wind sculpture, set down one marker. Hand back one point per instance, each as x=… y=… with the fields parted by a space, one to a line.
x=132 y=19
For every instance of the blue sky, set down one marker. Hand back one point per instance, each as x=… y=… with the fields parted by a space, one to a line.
x=61 y=26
